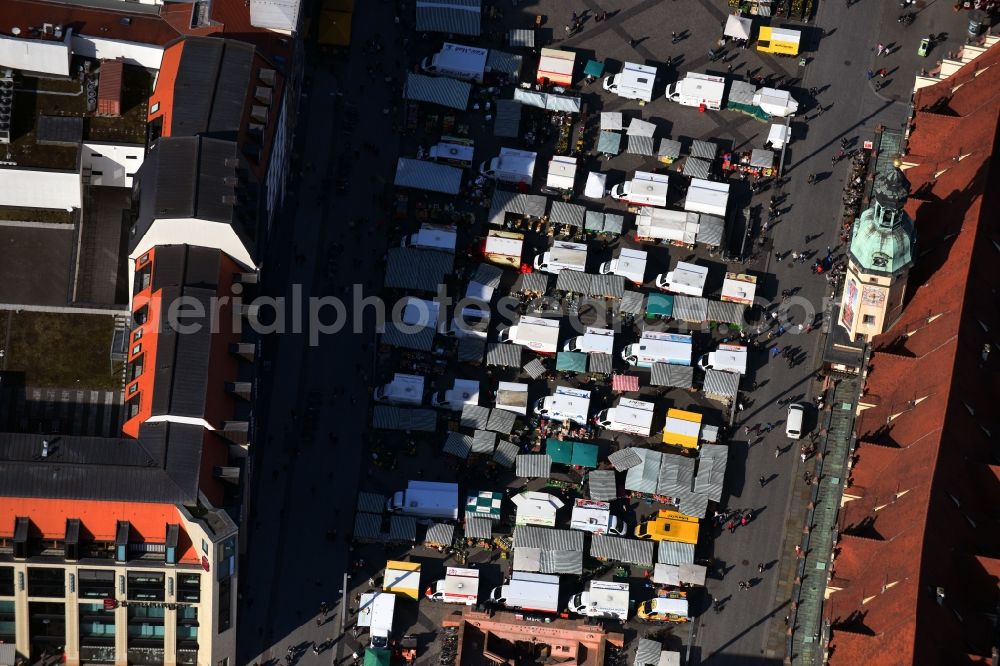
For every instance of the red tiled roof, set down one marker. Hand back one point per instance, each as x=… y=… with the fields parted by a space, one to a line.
x=108 y=23
x=915 y=577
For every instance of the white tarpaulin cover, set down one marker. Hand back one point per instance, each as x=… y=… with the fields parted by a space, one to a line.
x=547 y=101
x=737 y=27
x=641 y=128
x=562 y=172
x=779 y=135
x=597 y=185
x=706 y=196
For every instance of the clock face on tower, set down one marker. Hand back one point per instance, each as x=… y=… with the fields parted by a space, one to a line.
x=872 y=296
x=880 y=259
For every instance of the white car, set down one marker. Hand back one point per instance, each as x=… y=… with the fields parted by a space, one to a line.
x=793 y=424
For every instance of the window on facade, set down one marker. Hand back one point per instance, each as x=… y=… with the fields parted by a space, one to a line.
x=96 y=622
x=47 y=623
x=132 y=408
x=136 y=348
x=868 y=320
x=7 y=630
x=189 y=588
x=155 y=129
x=187 y=625
x=46 y=582
x=145 y=627
x=225 y=620
x=143 y=276
x=96 y=583
x=6 y=581
x=135 y=367
x=137 y=335
x=141 y=316
x=133 y=388
x=143 y=586
x=154 y=108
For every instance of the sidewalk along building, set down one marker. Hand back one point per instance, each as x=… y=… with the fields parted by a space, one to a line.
x=914 y=576
x=879 y=259
x=122 y=550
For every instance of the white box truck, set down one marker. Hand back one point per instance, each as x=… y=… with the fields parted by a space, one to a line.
x=699 y=90
x=563 y=255
x=464 y=392
x=645 y=189
x=634 y=417
x=728 y=358
x=426 y=499
x=688 y=279
x=433 y=237
x=566 y=404
x=536 y=333
x=593 y=341
x=603 y=599
x=511 y=166
x=596 y=517
x=655 y=347
x=402 y=390
x=375 y=611
x=460 y=586
x=529 y=592
x=633 y=82
x=457 y=61
x=629 y=263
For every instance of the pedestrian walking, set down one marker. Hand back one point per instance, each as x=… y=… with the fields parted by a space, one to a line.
x=788 y=618
x=633 y=42
x=729 y=69
x=870 y=75
x=879 y=49
x=742 y=585
x=768 y=427
x=762 y=481
x=882 y=72
x=777 y=450
x=811 y=178
x=673 y=37
x=568 y=30
x=760 y=567
x=795 y=256
x=746 y=431
x=775 y=350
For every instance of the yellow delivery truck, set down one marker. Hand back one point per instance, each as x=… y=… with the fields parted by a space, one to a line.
x=669 y=526
x=780 y=41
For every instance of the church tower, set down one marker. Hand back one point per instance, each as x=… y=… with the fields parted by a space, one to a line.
x=879 y=260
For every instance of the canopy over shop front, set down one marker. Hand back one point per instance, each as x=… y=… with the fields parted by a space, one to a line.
x=462 y=17
x=609 y=143
x=596 y=187
x=659 y=305
x=579 y=454
x=556 y=66
x=571 y=362
x=779 y=135
x=679 y=574
x=484 y=504
x=617 y=549
x=548 y=550
x=738 y=27
x=535 y=508
x=611 y=120
x=594 y=68
x=439 y=90
x=377 y=657
x=624 y=383
x=430 y=176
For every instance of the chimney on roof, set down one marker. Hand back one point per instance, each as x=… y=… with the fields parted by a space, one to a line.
x=45 y=448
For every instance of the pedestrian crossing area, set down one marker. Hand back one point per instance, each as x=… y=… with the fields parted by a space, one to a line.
x=62 y=411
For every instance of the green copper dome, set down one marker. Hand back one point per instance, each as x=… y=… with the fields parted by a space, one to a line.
x=883 y=237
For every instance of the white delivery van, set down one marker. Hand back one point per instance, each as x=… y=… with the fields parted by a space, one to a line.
x=460 y=586
x=529 y=592
x=793 y=422
x=402 y=390
x=536 y=333
x=634 y=417
x=433 y=237
x=645 y=189
x=630 y=264
x=426 y=499
x=563 y=255
x=633 y=82
x=596 y=517
x=603 y=599
x=375 y=611
x=512 y=397
x=457 y=61
x=655 y=347
x=464 y=392
x=728 y=358
x=511 y=166
x=688 y=279
x=699 y=90
x=566 y=404
x=594 y=341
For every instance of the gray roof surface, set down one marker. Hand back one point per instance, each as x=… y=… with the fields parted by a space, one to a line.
x=371 y=502
x=567 y=213
x=706 y=150
x=632 y=302
x=505 y=63
x=642 y=478
x=478 y=528
x=487 y=275
x=388 y=417
x=609 y=285
x=674 y=552
x=710 y=229
x=475 y=416
x=669 y=148
x=484 y=441
x=59 y=130
x=560 y=551
x=625 y=459
x=534 y=465
x=647 y=653
x=712 y=459
x=471 y=349
x=461 y=17
x=367 y=526
x=402 y=529
x=676 y=475
x=417 y=268
x=531 y=282
x=599 y=363
x=697 y=168
x=424 y=175
x=507 y=121
x=690 y=308
x=668 y=374
x=439 y=90
x=458 y=445
x=577 y=282
x=501 y=421
x=505 y=453
x=504 y=354
x=618 y=549
x=609 y=142
x=535 y=368
x=721 y=384
x=727 y=312
x=601 y=485
x=640 y=145
x=211 y=86
x=163 y=465
x=27 y=248
x=440 y=534
x=421 y=340
x=611 y=120
x=521 y=38
x=639 y=127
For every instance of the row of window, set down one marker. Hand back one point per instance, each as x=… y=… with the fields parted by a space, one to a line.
x=143 y=278
x=100 y=584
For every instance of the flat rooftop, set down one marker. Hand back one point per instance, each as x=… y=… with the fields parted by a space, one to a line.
x=41 y=100
x=38 y=263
